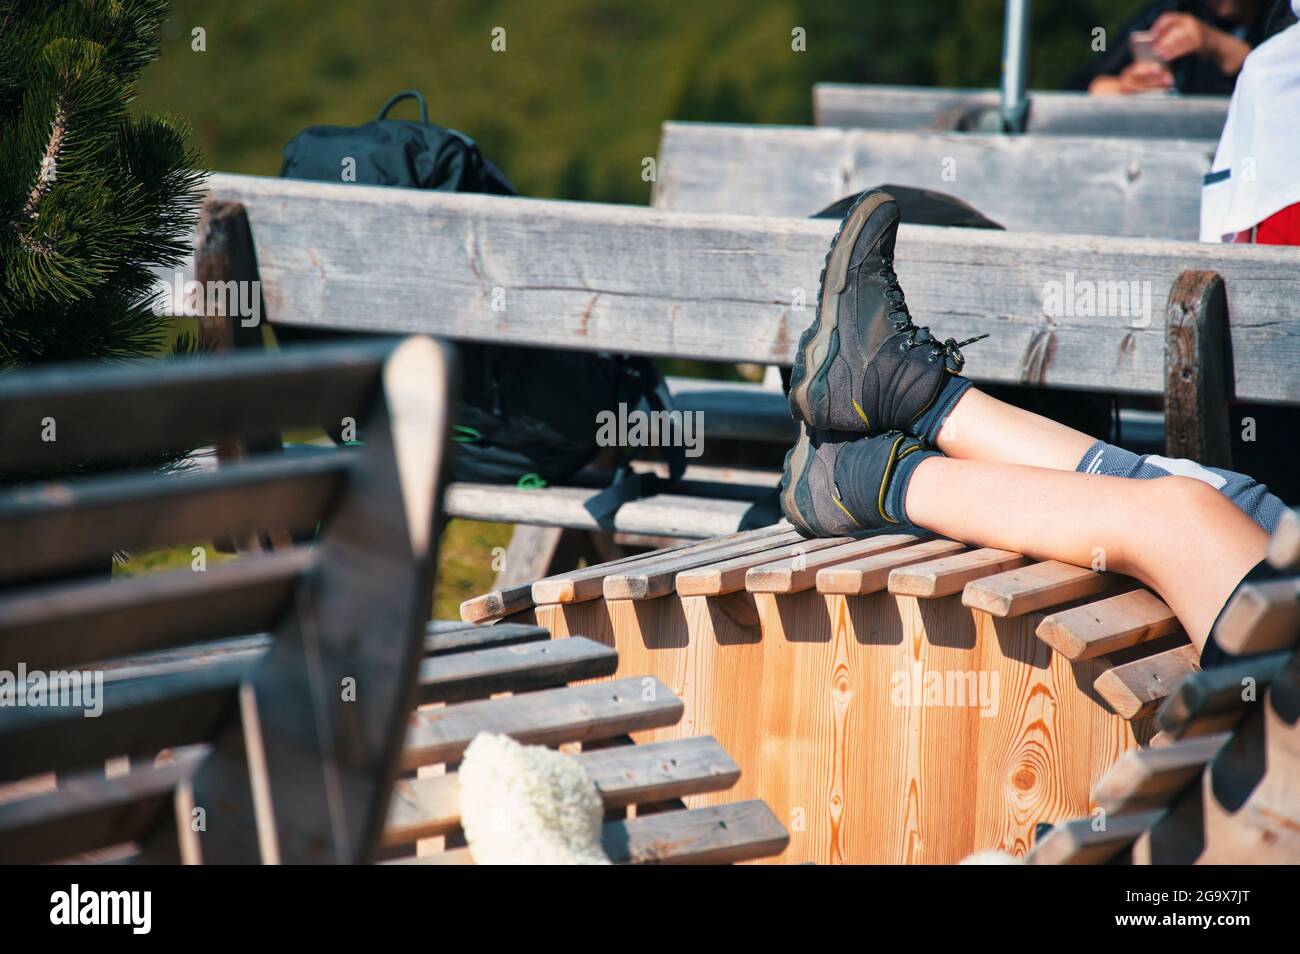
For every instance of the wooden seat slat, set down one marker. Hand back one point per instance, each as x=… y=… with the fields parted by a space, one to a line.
x=1136 y=688
x=948 y=575
x=623 y=775
x=54 y=626
x=716 y=834
x=1107 y=625
x=518 y=668
x=1212 y=701
x=549 y=717
x=871 y=574
x=87 y=521
x=1148 y=779
x=1025 y=589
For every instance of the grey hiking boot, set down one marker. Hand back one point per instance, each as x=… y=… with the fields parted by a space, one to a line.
x=821 y=463
x=863 y=366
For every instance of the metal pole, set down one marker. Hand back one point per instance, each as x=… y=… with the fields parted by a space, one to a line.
x=1015 y=66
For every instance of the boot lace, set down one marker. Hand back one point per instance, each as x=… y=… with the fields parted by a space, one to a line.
x=919 y=336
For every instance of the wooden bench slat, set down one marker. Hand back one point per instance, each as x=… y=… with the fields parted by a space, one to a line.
x=1040 y=183
x=497 y=604
x=447 y=636
x=89 y=811
x=670 y=515
x=90 y=519
x=193 y=403
x=1136 y=689
x=1149 y=779
x=948 y=575
x=54 y=626
x=799 y=572
x=648 y=580
x=1033 y=587
x=871 y=574
x=1114 y=623
x=549 y=717
x=625 y=775
x=728 y=575
x=570 y=286
x=716 y=834
x=1261 y=617
x=874 y=106
x=589 y=583
x=531 y=665
x=1076 y=843
x=140 y=717
x=1211 y=701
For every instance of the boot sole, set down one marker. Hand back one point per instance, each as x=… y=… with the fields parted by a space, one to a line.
x=796 y=496
x=809 y=388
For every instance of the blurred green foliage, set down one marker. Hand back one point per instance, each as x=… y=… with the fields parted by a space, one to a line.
x=574 y=103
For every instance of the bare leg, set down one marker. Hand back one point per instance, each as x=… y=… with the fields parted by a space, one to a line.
x=981 y=427
x=1177 y=535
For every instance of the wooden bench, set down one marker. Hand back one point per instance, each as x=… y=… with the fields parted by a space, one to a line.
x=262 y=709
x=1062 y=114
x=811 y=661
x=369 y=259
x=1221 y=782
x=1131 y=187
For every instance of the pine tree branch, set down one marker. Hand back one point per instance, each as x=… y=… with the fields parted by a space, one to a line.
x=45 y=176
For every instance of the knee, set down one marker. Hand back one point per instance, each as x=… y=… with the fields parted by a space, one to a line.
x=1187 y=496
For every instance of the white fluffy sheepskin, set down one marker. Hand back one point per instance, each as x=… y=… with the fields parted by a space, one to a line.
x=991 y=857
x=528 y=805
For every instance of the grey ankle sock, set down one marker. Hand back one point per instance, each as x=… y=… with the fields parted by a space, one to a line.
x=928 y=424
x=859 y=493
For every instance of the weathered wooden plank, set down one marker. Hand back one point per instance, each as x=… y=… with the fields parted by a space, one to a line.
x=497 y=604
x=1136 y=689
x=1114 y=623
x=1133 y=187
x=662 y=514
x=647 y=580
x=192 y=402
x=89 y=811
x=728 y=576
x=736 y=410
x=871 y=574
x=948 y=575
x=1261 y=618
x=54 y=626
x=1077 y=842
x=71 y=525
x=798 y=572
x=1028 y=588
x=1058 y=113
x=448 y=636
x=573 y=276
x=1149 y=779
x=715 y=835
x=1213 y=700
x=532 y=665
x=625 y=775
x=1196 y=385
x=549 y=717
x=580 y=585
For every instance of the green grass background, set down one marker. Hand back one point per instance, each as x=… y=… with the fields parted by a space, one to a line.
x=574 y=103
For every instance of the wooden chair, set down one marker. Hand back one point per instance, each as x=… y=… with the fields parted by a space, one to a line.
x=1221 y=782
x=279 y=688
x=283 y=750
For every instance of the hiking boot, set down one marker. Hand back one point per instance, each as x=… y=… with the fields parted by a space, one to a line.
x=837 y=484
x=863 y=366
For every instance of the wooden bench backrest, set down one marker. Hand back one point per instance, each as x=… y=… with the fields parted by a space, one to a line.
x=743 y=288
x=1067 y=114
x=1134 y=187
x=285 y=746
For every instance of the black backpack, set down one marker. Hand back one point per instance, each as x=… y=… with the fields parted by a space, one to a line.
x=515 y=425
